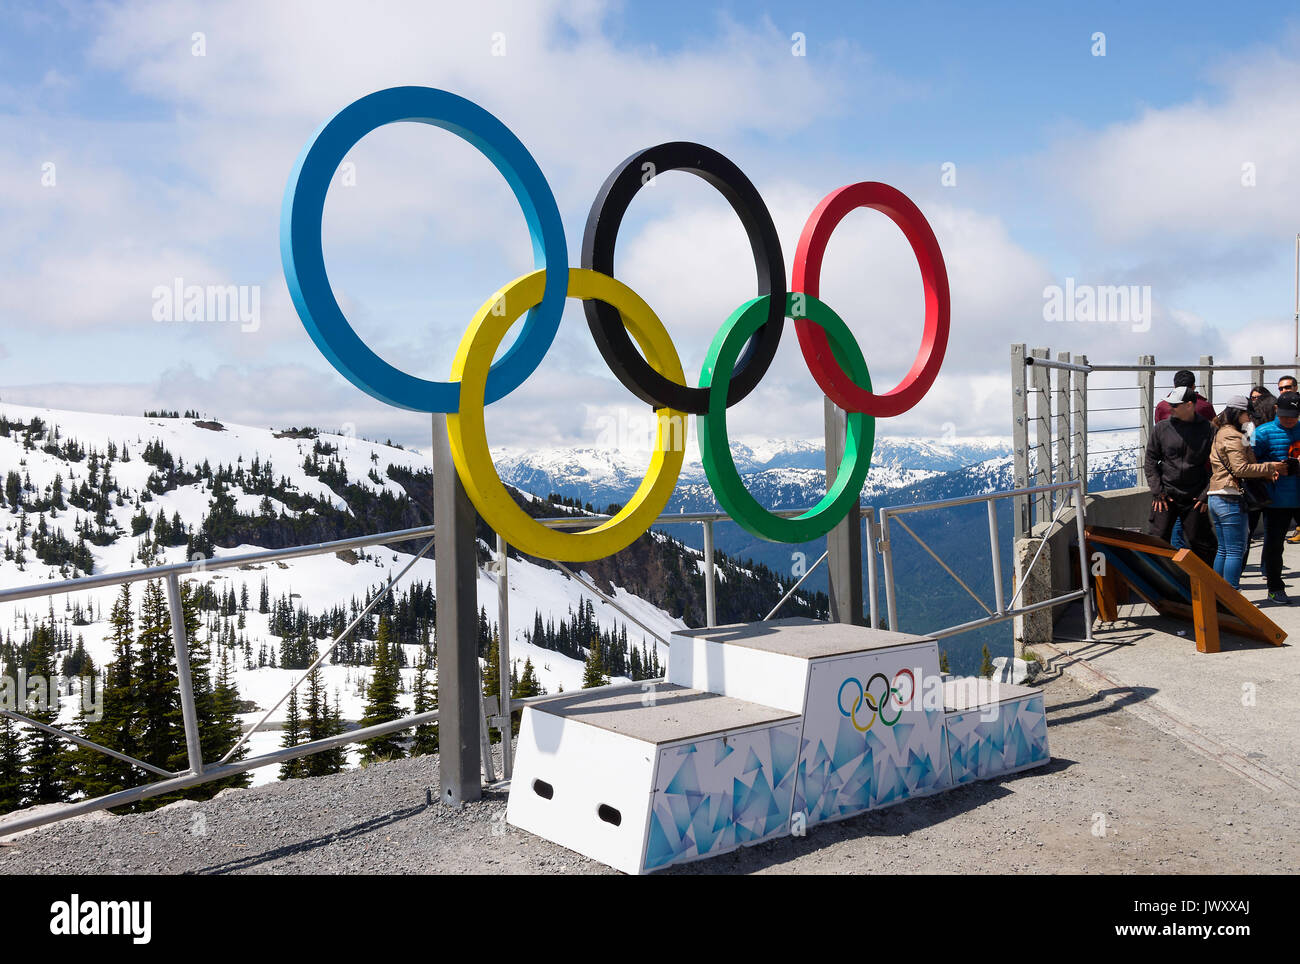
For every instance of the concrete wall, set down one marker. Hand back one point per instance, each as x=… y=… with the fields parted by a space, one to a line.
x=1119 y=508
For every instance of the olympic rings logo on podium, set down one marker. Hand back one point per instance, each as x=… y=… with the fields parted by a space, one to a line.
x=877 y=705
x=620 y=322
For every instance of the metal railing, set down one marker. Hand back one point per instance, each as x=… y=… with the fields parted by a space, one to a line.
x=495 y=714
x=1064 y=423
x=1001 y=611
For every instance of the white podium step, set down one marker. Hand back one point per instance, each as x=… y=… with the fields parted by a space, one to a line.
x=761 y=729
x=640 y=779
x=871 y=702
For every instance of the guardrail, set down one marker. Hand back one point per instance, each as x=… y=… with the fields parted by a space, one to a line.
x=1001 y=611
x=1064 y=420
x=495 y=713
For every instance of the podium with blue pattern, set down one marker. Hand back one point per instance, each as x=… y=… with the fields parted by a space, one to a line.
x=761 y=730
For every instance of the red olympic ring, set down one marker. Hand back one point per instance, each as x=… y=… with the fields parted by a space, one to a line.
x=830 y=377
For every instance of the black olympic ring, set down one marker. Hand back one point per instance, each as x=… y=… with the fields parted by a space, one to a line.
x=598 y=241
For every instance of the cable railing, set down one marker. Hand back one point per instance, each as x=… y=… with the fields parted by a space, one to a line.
x=1053 y=425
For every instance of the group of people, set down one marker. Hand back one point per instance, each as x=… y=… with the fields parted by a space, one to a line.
x=1214 y=476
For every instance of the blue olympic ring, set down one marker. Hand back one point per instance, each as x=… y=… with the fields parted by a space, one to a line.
x=304 y=260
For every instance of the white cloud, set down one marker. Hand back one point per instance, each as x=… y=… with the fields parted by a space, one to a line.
x=1176 y=173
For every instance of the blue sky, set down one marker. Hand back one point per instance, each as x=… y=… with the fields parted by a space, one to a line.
x=1122 y=169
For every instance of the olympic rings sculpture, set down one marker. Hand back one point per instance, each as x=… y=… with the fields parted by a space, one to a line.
x=888 y=695
x=620 y=321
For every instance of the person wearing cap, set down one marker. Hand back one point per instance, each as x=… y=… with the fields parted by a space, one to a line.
x=1185 y=379
x=1177 y=470
x=1232 y=460
x=1279 y=441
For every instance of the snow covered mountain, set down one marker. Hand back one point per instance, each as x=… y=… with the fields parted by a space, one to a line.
x=84 y=492
x=778 y=468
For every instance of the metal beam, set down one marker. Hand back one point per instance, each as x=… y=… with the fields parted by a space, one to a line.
x=460 y=705
x=1080 y=443
x=1020 y=438
x=189 y=713
x=1146 y=381
x=844 y=542
x=1042 y=389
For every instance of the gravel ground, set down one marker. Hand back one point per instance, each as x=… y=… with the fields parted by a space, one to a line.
x=1165 y=809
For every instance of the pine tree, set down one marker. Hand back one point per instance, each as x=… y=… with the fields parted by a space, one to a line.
x=426 y=700
x=527 y=685
x=44 y=772
x=943 y=661
x=95 y=773
x=986 y=665
x=225 y=726
x=292 y=736
x=381 y=698
x=160 y=734
x=593 y=671
x=11 y=766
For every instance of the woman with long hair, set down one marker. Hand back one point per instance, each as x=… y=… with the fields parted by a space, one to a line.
x=1231 y=460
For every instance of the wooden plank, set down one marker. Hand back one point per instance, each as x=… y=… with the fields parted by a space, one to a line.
x=1109 y=597
x=1233 y=601
x=1137 y=541
x=1227 y=623
x=1205 y=616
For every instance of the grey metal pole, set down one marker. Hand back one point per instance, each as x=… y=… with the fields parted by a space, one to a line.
x=1258 y=373
x=1207 y=377
x=996 y=551
x=1063 y=462
x=873 y=590
x=1020 y=438
x=1081 y=425
x=503 y=651
x=1146 y=381
x=844 y=542
x=179 y=642
x=460 y=701
x=1042 y=388
x=710 y=589
x=887 y=555
x=1083 y=566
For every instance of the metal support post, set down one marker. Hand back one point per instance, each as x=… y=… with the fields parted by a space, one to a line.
x=996 y=552
x=460 y=701
x=844 y=542
x=710 y=587
x=1207 y=377
x=1257 y=376
x=887 y=556
x=1063 y=462
x=1080 y=419
x=1041 y=386
x=1146 y=409
x=1020 y=439
x=1084 y=572
x=873 y=589
x=181 y=644
x=503 y=651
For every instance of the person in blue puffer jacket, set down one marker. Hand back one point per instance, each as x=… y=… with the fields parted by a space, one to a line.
x=1279 y=441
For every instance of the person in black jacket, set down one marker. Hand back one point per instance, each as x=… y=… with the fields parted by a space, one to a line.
x=1178 y=474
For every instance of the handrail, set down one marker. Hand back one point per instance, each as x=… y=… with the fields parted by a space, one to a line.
x=1010 y=611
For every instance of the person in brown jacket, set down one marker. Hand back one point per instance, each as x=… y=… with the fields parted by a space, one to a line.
x=1231 y=460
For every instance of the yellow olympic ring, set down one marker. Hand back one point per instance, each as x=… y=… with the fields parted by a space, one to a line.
x=468 y=434
x=853 y=717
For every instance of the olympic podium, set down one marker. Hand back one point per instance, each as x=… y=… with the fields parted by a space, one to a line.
x=761 y=730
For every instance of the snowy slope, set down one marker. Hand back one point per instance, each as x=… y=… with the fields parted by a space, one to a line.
x=317 y=582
